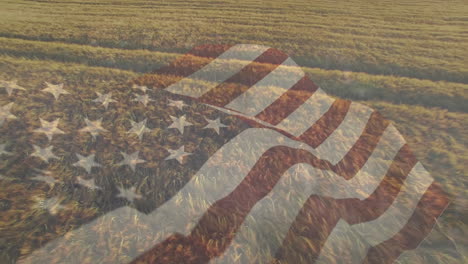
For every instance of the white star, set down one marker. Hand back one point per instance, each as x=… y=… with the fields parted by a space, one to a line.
x=180 y=123
x=5 y=113
x=93 y=127
x=131 y=160
x=129 y=194
x=44 y=153
x=215 y=124
x=3 y=151
x=105 y=99
x=46 y=177
x=88 y=183
x=178 y=104
x=10 y=86
x=49 y=128
x=54 y=89
x=52 y=205
x=142 y=88
x=177 y=154
x=86 y=162
x=139 y=128
x=144 y=99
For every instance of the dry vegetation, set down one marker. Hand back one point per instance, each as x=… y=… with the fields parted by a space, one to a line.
x=405 y=59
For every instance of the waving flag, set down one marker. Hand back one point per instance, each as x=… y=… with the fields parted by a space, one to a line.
x=228 y=155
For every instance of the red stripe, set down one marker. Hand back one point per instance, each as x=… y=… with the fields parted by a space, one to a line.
x=223 y=218
x=324 y=127
x=355 y=211
x=334 y=109
x=182 y=67
x=220 y=223
x=288 y=102
x=363 y=148
x=429 y=208
x=319 y=215
x=358 y=155
x=243 y=80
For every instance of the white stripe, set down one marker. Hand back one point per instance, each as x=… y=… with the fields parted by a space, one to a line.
x=219 y=70
x=268 y=89
x=372 y=172
x=335 y=147
x=307 y=114
x=267 y=224
x=338 y=144
x=370 y=234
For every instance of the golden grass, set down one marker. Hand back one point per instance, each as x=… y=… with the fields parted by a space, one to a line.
x=439 y=146
x=405 y=59
x=392 y=38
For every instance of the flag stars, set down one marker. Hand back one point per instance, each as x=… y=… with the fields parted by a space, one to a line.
x=180 y=123
x=49 y=128
x=179 y=104
x=142 y=88
x=55 y=89
x=178 y=154
x=105 y=99
x=131 y=160
x=90 y=184
x=52 y=205
x=93 y=127
x=144 y=99
x=129 y=194
x=44 y=153
x=3 y=151
x=45 y=176
x=86 y=162
x=215 y=124
x=139 y=128
x=10 y=86
x=5 y=113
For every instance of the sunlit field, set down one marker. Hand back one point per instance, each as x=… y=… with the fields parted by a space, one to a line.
x=407 y=60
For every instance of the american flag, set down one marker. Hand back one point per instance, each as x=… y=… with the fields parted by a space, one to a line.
x=230 y=154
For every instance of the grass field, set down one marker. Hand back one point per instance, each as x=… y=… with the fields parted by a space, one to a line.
x=407 y=60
